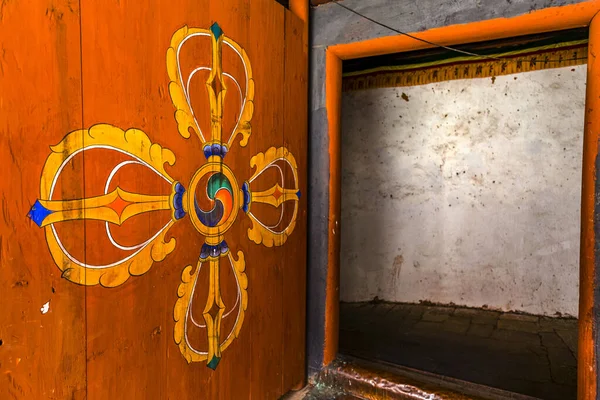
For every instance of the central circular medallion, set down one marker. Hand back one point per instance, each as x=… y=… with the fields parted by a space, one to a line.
x=213 y=200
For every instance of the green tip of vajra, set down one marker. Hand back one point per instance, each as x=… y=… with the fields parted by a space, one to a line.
x=216 y=30
x=212 y=364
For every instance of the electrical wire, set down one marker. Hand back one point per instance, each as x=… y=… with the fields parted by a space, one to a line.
x=448 y=47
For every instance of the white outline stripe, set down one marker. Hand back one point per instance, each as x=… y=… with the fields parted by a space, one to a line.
x=188 y=312
x=186 y=91
x=271 y=165
x=59 y=171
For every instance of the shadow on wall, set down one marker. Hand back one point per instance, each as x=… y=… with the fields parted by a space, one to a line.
x=465 y=192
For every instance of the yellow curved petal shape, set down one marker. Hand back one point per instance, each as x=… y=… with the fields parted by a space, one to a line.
x=184 y=115
x=260 y=233
x=115 y=275
x=180 y=314
x=182 y=306
x=239 y=267
x=135 y=143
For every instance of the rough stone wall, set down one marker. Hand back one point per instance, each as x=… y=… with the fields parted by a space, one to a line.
x=465 y=192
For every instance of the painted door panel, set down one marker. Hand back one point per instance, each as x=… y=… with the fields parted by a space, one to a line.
x=176 y=230
x=42 y=316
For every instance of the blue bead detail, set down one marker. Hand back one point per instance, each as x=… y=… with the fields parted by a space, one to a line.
x=246 y=191
x=212 y=364
x=215 y=149
x=204 y=251
x=38 y=213
x=216 y=30
x=210 y=251
x=178 y=201
x=179 y=214
x=207 y=151
x=298 y=194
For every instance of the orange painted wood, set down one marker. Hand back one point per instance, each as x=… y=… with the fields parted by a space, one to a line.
x=42 y=355
x=545 y=20
x=295 y=251
x=130 y=327
x=253 y=366
x=301 y=8
x=586 y=356
x=100 y=342
x=264 y=371
x=333 y=92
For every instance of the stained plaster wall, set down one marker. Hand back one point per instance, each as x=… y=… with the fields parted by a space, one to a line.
x=329 y=25
x=465 y=192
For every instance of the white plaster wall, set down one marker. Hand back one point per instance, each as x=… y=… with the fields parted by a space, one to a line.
x=467 y=193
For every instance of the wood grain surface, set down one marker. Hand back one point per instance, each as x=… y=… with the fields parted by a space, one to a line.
x=99 y=78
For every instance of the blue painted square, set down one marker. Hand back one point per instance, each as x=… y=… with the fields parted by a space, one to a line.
x=38 y=213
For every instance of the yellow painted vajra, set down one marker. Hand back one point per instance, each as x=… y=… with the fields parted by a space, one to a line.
x=225 y=194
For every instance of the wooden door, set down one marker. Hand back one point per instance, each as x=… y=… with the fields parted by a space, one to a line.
x=153 y=243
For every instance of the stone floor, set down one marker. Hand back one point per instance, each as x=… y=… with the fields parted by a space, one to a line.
x=319 y=392
x=531 y=355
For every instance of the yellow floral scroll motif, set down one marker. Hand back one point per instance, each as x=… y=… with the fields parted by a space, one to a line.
x=222 y=187
x=276 y=196
x=180 y=96
x=212 y=215
x=46 y=211
x=133 y=142
x=114 y=274
x=183 y=310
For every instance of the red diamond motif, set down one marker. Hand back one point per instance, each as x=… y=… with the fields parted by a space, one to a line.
x=277 y=193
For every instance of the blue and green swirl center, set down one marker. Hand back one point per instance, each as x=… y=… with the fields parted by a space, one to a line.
x=220 y=196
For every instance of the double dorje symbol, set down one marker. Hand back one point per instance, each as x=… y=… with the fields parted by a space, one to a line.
x=226 y=197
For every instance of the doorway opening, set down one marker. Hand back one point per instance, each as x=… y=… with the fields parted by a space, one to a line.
x=460 y=211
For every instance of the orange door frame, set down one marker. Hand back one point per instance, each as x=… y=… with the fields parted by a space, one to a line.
x=546 y=20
